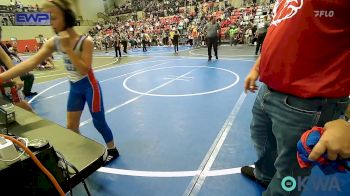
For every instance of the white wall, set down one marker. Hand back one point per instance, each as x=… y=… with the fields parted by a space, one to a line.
x=236 y=3
x=33 y=31
x=25 y=2
x=89 y=8
x=120 y=2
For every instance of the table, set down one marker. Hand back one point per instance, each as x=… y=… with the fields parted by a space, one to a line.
x=85 y=154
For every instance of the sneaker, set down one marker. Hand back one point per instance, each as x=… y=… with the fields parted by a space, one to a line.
x=248 y=172
x=111 y=155
x=217 y=57
x=30 y=94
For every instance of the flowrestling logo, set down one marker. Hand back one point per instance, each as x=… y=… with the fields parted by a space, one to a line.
x=32 y=19
x=285 y=9
x=324 y=13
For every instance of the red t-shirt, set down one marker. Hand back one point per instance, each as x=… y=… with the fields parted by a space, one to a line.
x=307 y=49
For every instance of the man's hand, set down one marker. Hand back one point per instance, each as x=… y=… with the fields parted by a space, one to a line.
x=18 y=82
x=250 y=81
x=335 y=141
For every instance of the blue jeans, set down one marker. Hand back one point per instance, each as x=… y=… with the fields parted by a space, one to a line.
x=278 y=122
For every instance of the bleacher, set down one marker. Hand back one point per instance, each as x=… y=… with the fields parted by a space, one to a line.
x=160 y=17
x=5 y=9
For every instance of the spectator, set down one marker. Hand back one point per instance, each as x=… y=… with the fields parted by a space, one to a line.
x=11 y=89
x=290 y=100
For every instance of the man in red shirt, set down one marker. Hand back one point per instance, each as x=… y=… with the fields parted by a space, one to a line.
x=305 y=70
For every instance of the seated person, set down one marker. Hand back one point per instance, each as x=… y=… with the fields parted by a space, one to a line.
x=12 y=89
x=28 y=78
x=133 y=43
x=47 y=64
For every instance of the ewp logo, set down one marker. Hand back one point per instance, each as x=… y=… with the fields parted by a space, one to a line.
x=32 y=19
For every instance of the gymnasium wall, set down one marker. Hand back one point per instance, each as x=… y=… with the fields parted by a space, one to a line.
x=87 y=9
x=26 y=35
x=24 y=2
x=120 y=2
x=236 y=3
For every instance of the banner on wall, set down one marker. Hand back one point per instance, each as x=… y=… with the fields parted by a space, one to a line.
x=32 y=19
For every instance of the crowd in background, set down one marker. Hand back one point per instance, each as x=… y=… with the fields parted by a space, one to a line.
x=161 y=19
